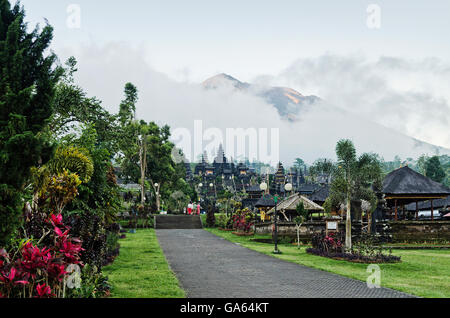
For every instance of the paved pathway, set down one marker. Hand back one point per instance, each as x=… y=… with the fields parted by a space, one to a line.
x=212 y=267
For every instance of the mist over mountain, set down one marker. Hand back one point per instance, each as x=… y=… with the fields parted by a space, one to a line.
x=288 y=102
x=333 y=121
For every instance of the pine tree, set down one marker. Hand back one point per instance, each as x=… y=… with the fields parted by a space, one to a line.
x=27 y=81
x=434 y=170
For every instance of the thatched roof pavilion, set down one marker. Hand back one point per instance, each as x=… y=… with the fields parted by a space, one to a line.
x=288 y=206
x=266 y=201
x=404 y=186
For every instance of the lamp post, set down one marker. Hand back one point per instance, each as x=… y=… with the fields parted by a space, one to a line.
x=288 y=187
x=200 y=186
x=264 y=188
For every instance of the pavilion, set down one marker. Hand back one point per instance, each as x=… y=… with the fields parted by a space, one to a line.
x=288 y=206
x=405 y=186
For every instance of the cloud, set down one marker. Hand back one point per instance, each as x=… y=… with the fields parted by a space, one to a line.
x=409 y=96
x=354 y=85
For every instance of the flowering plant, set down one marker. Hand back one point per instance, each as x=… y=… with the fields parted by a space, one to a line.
x=33 y=271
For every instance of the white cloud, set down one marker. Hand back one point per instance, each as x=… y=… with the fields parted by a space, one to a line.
x=351 y=83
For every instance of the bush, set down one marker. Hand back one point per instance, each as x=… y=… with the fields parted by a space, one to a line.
x=224 y=222
x=210 y=217
x=31 y=271
x=243 y=220
x=363 y=251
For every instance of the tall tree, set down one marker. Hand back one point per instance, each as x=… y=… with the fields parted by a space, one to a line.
x=27 y=80
x=356 y=178
x=434 y=170
x=127 y=112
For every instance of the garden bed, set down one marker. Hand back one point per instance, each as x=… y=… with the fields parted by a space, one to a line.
x=243 y=234
x=424 y=247
x=225 y=230
x=356 y=258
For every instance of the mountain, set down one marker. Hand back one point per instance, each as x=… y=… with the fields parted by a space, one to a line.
x=287 y=101
x=327 y=123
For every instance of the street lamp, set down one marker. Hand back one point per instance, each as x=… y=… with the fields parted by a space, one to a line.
x=288 y=187
x=263 y=186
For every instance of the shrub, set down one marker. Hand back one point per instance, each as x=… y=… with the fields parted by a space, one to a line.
x=224 y=222
x=243 y=220
x=364 y=250
x=32 y=271
x=210 y=217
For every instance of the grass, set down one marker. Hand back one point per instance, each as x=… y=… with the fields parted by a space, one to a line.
x=424 y=273
x=141 y=269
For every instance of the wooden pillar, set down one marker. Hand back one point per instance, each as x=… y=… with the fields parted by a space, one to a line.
x=417 y=210
x=432 y=211
x=404 y=212
x=396 y=211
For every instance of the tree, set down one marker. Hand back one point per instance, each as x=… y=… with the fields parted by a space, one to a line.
x=322 y=167
x=302 y=215
x=27 y=81
x=127 y=112
x=434 y=170
x=354 y=179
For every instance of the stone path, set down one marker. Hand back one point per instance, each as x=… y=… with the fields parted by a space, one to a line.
x=211 y=267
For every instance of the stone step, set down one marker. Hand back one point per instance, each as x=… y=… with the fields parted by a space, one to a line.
x=173 y=222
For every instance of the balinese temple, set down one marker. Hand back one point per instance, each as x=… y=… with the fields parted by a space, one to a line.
x=254 y=194
x=307 y=189
x=189 y=174
x=288 y=207
x=405 y=186
x=279 y=179
x=264 y=204
x=320 y=195
x=441 y=205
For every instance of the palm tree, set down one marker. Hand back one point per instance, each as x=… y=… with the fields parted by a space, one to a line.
x=355 y=179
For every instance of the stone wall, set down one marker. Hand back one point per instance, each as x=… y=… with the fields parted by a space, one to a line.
x=420 y=231
x=395 y=231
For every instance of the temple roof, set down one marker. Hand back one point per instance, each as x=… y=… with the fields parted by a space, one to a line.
x=321 y=194
x=405 y=181
x=253 y=188
x=426 y=205
x=266 y=201
x=291 y=203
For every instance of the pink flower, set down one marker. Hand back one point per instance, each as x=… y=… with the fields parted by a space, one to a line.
x=44 y=291
x=57 y=220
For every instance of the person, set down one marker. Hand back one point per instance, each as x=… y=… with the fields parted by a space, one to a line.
x=198 y=208
x=190 y=206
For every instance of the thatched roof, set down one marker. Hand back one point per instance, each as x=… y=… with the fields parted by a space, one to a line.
x=320 y=195
x=405 y=181
x=266 y=201
x=426 y=205
x=291 y=203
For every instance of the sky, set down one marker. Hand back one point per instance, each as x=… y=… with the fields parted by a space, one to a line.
x=386 y=62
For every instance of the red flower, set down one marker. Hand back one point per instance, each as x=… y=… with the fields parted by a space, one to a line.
x=57 y=220
x=56 y=271
x=33 y=259
x=9 y=278
x=71 y=252
x=60 y=233
x=44 y=291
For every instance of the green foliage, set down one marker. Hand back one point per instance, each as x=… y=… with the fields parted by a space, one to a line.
x=27 y=81
x=355 y=178
x=434 y=170
x=302 y=214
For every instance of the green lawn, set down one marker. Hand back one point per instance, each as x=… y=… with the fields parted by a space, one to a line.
x=141 y=269
x=424 y=273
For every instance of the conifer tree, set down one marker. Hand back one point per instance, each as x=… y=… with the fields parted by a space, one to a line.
x=27 y=81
